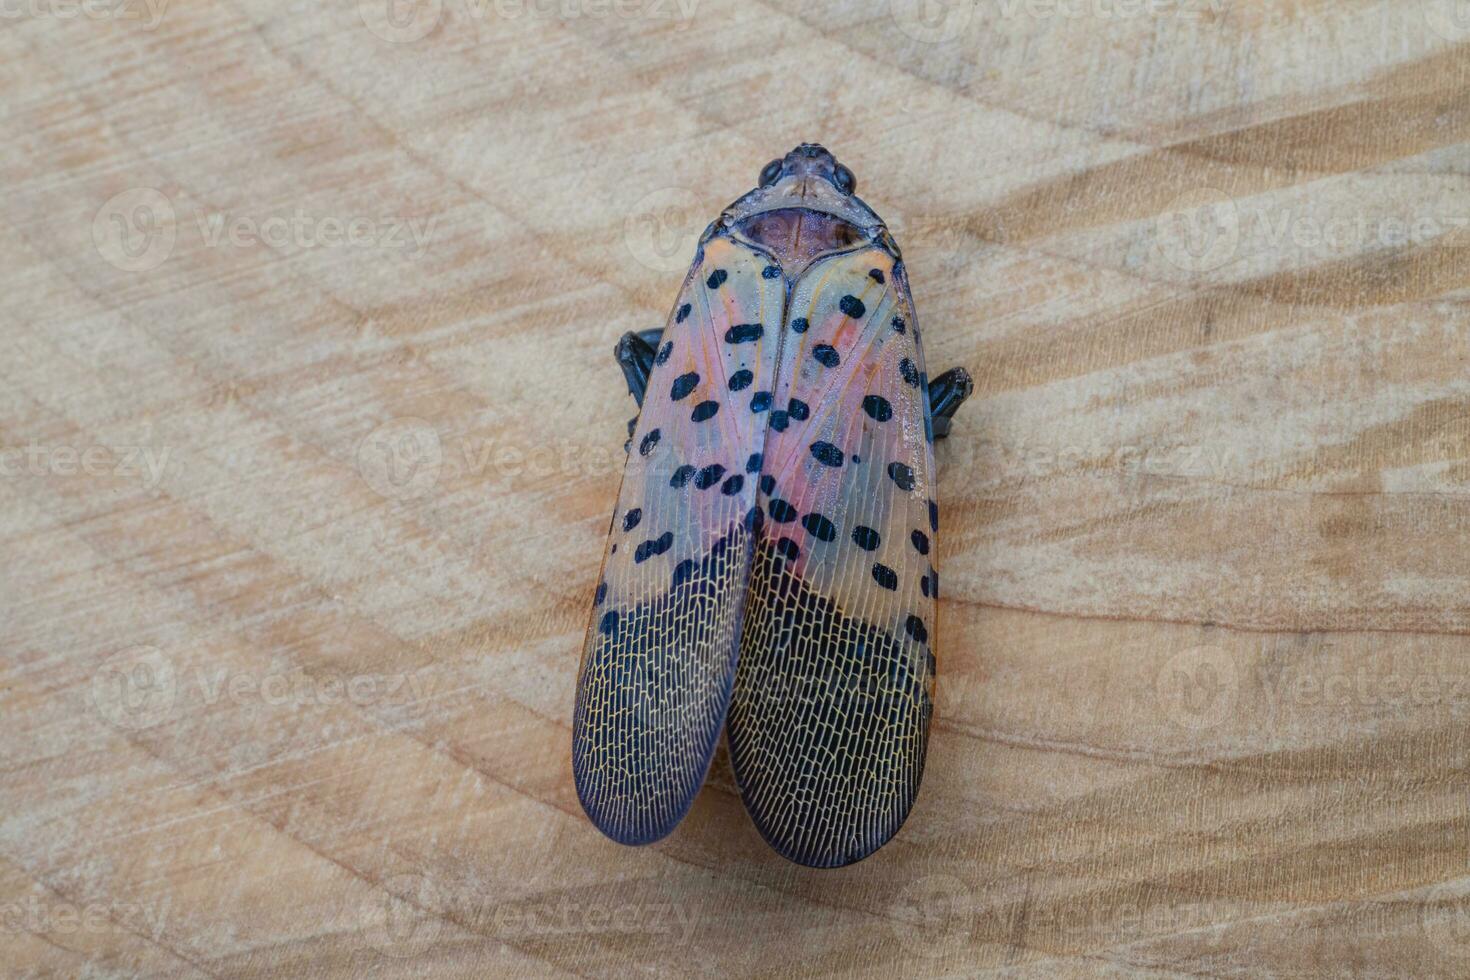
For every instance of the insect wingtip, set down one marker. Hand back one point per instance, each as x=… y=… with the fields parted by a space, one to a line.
x=626 y=833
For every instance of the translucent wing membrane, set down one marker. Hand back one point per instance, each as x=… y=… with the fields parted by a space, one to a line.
x=659 y=658
x=830 y=716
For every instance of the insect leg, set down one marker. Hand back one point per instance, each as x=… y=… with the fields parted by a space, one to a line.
x=635 y=356
x=635 y=353
x=946 y=394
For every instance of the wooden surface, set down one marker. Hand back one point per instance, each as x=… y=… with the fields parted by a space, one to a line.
x=311 y=432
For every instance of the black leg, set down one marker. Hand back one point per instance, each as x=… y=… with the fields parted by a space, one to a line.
x=635 y=353
x=635 y=356
x=946 y=394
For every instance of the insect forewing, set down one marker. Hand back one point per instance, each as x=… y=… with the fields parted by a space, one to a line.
x=829 y=721
x=659 y=658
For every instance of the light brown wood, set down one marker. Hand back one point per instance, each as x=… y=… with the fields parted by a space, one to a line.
x=311 y=432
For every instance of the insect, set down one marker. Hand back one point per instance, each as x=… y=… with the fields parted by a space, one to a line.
x=770 y=564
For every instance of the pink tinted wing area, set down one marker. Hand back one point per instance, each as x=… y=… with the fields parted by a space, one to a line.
x=829 y=721
x=659 y=658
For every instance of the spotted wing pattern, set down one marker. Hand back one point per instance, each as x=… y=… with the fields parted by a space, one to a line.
x=830 y=716
x=658 y=662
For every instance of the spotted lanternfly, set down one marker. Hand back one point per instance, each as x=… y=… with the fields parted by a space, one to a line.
x=770 y=565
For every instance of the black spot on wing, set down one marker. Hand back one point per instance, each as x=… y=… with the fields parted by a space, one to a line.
x=933 y=517
x=753 y=463
x=653 y=546
x=819 y=527
x=771 y=272
x=898 y=324
x=921 y=541
x=915 y=628
x=760 y=401
x=827 y=454
x=631 y=518
x=866 y=538
x=709 y=476
x=876 y=275
x=826 y=355
x=649 y=441
x=902 y=475
x=744 y=333
x=683 y=385
x=683 y=313
x=852 y=306
x=666 y=349
x=741 y=379
x=704 y=411
x=885 y=576
x=878 y=408
x=732 y=485
x=717 y=279
x=798 y=410
x=781 y=511
x=799 y=325
x=909 y=372
x=681 y=476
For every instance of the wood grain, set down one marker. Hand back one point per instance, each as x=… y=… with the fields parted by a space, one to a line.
x=310 y=432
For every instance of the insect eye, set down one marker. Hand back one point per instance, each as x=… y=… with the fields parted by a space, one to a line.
x=770 y=173
x=844 y=180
